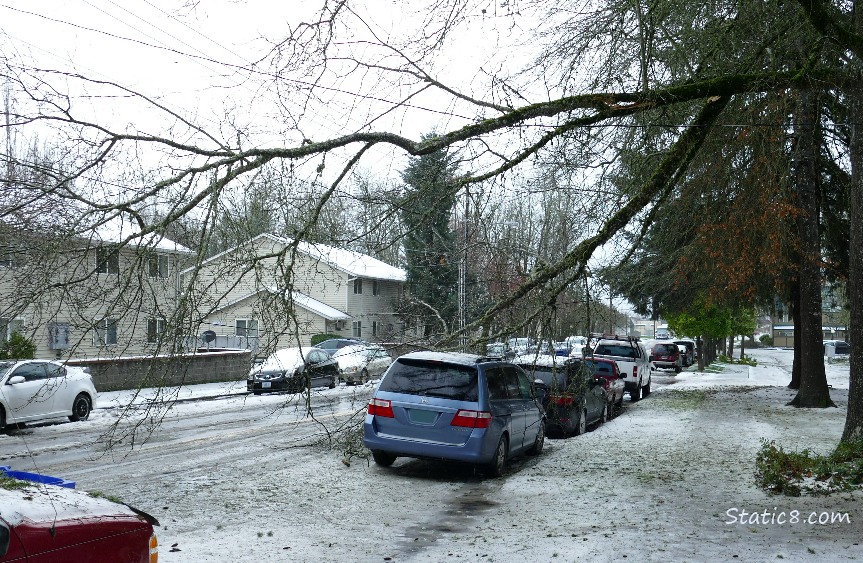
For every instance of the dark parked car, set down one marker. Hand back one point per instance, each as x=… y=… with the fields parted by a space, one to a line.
x=57 y=524
x=688 y=357
x=571 y=395
x=453 y=406
x=293 y=370
x=613 y=384
x=666 y=355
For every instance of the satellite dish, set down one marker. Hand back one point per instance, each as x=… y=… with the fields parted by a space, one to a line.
x=208 y=336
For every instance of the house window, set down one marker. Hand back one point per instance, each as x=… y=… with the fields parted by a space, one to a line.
x=376 y=287
x=357 y=329
x=8 y=327
x=107 y=260
x=247 y=327
x=106 y=332
x=375 y=328
x=358 y=286
x=9 y=258
x=155 y=329
x=158 y=266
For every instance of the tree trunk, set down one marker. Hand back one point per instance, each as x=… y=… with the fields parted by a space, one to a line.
x=731 y=347
x=854 y=418
x=813 y=392
x=795 y=320
x=699 y=350
x=742 y=346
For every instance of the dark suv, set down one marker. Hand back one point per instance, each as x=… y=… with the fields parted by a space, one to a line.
x=571 y=394
x=453 y=406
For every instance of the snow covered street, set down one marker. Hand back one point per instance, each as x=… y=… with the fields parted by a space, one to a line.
x=670 y=479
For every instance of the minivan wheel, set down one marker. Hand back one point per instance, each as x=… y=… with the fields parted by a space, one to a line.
x=498 y=463
x=384 y=459
x=538 y=444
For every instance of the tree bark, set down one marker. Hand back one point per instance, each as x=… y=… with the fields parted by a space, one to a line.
x=854 y=418
x=813 y=392
x=731 y=347
x=795 y=320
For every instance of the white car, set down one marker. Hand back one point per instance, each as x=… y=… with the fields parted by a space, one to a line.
x=360 y=362
x=33 y=390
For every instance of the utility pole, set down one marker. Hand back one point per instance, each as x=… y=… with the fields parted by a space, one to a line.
x=462 y=278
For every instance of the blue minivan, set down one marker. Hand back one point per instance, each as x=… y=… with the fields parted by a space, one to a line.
x=454 y=406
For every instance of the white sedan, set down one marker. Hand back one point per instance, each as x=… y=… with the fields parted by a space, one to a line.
x=33 y=390
x=360 y=362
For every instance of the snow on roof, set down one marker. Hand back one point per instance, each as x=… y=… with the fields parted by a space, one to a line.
x=118 y=229
x=353 y=263
x=315 y=306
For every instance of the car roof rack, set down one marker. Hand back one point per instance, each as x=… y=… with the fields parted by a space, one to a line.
x=608 y=336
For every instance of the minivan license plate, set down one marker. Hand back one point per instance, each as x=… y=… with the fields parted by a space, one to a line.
x=422 y=416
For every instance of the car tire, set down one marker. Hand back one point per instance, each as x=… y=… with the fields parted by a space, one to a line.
x=2 y=419
x=256 y=392
x=80 y=408
x=332 y=384
x=539 y=443
x=498 y=462
x=384 y=459
x=581 y=427
x=635 y=394
x=677 y=369
x=603 y=418
x=646 y=391
x=364 y=376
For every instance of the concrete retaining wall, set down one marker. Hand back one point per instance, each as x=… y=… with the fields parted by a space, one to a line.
x=167 y=371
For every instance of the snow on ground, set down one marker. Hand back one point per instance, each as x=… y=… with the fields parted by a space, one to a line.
x=669 y=479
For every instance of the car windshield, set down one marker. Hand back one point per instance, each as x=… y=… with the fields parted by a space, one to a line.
x=666 y=349
x=599 y=368
x=432 y=379
x=619 y=350
x=286 y=357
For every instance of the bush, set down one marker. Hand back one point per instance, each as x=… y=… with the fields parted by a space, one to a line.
x=791 y=473
x=318 y=338
x=18 y=347
x=766 y=340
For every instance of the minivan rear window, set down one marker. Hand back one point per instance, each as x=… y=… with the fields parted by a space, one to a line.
x=432 y=379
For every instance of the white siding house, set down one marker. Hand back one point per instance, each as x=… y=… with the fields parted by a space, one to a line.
x=106 y=295
x=282 y=292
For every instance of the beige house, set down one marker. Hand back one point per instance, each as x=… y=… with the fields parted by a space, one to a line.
x=107 y=295
x=274 y=292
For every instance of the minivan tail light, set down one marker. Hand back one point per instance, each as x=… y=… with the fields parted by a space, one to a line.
x=472 y=419
x=381 y=407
